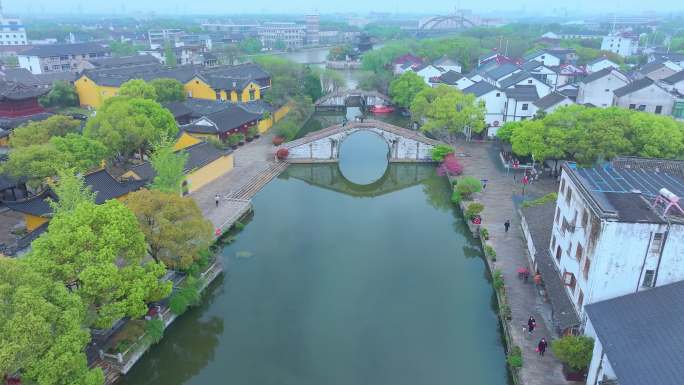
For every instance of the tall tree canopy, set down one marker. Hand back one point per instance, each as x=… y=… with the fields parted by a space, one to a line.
x=404 y=89
x=587 y=134
x=42 y=331
x=138 y=88
x=62 y=94
x=98 y=250
x=80 y=152
x=72 y=191
x=41 y=131
x=312 y=84
x=447 y=108
x=168 y=90
x=169 y=167
x=174 y=227
x=33 y=163
x=130 y=124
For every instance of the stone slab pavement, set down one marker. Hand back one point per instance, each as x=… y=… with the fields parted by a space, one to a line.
x=251 y=160
x=499 y=198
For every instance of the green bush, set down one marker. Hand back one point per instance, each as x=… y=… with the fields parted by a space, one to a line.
x=467 y=186
x=440 y=151
x=490 y=252
x=233 y=140
x=185 y=297
x=473 y=209
x=252 y=132
x=550 y=197
x=484 y=233
x=239 y=226
x=515 y=360
x=155 y=330
x=240 y=136
x=455 y=197
x=178 y=304
x=574 y=351
x=498 y=280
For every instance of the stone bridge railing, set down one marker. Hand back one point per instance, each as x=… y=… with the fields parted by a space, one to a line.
x=338 y=98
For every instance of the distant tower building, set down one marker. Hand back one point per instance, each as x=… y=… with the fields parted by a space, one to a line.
x=12 y=32
x=313 y=29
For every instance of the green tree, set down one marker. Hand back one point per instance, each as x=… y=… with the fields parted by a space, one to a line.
x=40 y=132
x=169 y=167
x=71 y=191
x=34 y=163
x=340 y=52
x=62 y=94
x=250 y=46
x=332 y=81
x=168 y=90
x=99 y=251
x=312 y=84
x=170 y=55
x=404 y=89
x=138 y=88
x=124 y=49
x=80 y=152
x=574 y=351
x=174 y=227
x=127 y=125
x=446 y=108
x=41 y=328
x=467 y=186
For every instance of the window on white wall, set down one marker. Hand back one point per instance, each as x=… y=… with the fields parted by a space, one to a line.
x=656 y=243
x=648 y=278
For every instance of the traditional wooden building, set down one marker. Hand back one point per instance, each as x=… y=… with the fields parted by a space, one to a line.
x=18 y=105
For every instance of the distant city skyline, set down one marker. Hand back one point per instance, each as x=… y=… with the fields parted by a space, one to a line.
x=527 y=7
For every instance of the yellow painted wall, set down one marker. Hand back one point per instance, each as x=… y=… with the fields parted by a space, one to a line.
x=4 y=142
x=196 y=88
x=184 y=141
x=200 y=177
x=265 y=125
x=90 y=94
x=251 y=86
x=33 y=222
x=130 y=175
x=281 y=112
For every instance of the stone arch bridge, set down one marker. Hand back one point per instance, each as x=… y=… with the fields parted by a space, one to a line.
x=340 y=99
x=403 y=145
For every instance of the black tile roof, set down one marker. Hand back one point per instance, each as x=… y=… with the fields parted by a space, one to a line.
x=530 y=65
x=17 y=91
x=479 y=88
x=570 y=92
x=224 y=120
x=539 y=221
x=36 y=205
x=450 y=77
x=650 y=67
x=674 y=78
x=123 y=61
x=641 y=335
x=199 y=155
x=633 y=87
x=515 y=78
x=65 y=49
x=502 y=70
x=522 y=93
x=550 y=100
x=598 y=75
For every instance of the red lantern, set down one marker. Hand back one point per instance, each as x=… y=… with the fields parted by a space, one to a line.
x=282 y=153
x=217 y=232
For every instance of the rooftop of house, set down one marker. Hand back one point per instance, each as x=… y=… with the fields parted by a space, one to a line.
x=199 y=155
x=537 y=53
x=652 y=66
x=479 y=88
x=450 y=77
x=220 y=77
x=634 y=86
x=600 y=59
x=446 y=61
x=600 y=74
x=550 y=100
x=539 y=219
x=101 y=182
x=515 y=78
x=65 y=49
x=674 y=78
x=522 y=93
x=222 y=121
x=408 y=58
x=10 y=90
x=123 y=61
x=502 y=70
x=625 y=188
x=641 y=334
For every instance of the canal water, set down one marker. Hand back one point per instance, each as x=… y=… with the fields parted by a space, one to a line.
x=351 y=274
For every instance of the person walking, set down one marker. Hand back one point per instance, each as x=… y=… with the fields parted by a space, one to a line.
x=217 y=198
x=531 y=324
x=541 y=347
x=507 y=224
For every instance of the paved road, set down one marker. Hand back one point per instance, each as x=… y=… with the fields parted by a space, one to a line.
x=499 y=200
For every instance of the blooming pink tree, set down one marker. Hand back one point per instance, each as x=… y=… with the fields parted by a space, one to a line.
x=450 y=166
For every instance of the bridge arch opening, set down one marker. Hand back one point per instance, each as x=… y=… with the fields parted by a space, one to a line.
x=363 y=157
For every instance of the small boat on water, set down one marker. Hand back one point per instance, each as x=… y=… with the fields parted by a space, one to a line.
x=381 y=109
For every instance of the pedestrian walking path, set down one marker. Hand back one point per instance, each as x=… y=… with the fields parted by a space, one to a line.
x=499 y=200
x=254 y=167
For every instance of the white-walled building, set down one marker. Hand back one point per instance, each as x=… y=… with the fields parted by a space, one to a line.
x=621 y=45
x=674 y=82
x=454 y=79
x=597 y=88
x=427 y=72
x=637 y=338
x=659 y=70
x=545 y=58
x=524 y=78
x=520 y=103
x=552 y=102
x=60 y=57
x=610 y=237
x=447 y=64
x=645 y=95
x=12 y=31
x=494 y=100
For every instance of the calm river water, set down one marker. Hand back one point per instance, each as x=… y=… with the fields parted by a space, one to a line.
x=365 y=276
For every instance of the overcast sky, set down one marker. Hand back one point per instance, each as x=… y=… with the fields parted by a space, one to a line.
x=530 y=7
